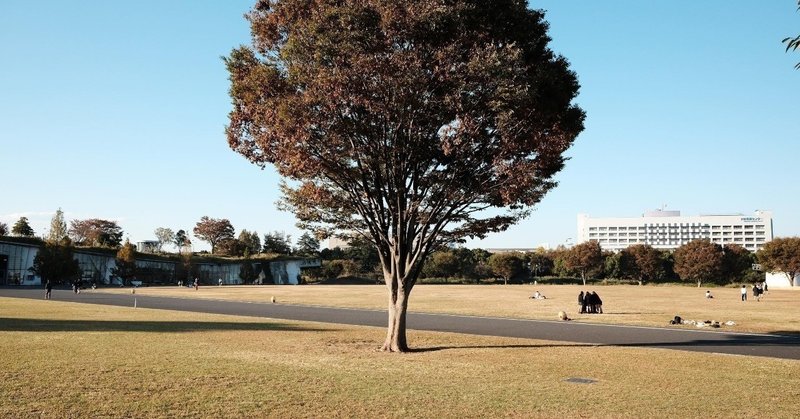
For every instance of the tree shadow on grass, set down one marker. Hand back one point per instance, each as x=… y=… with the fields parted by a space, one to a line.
x=762 y=344
x=48 y=325
x=445 y=348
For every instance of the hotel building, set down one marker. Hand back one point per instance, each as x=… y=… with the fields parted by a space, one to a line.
x=669 y=230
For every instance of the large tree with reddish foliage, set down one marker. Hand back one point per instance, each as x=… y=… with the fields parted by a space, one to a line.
x=584 y=258
x=643 y=262
x=782 y=254
x=404 y=122
x=699 y=260
x=95 y=232
x=213 y=230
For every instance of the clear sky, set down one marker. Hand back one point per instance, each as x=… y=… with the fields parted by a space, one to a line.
x=116 y=110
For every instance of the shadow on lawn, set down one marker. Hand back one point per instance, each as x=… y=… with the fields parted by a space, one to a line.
x=445 y=348
x=40 y=325
x=788 y=339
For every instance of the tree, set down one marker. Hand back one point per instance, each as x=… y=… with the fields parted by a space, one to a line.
x=699 y=260
x=441 y=264
x=540 y=263
x=404 y=122
x=58 y=228
x=467 y=262
x=782 y=254
x=95 y=232
x=164 y=235
x=247 y=272
x=793 y=43
x=3 y=229
x=642 y=262
x=126 y=263
x=54 y=262
x=584 y=258
x=277 y=242
x=308 y=245
x=250 y=241
x=736 y=262
x=22 y=228
x=213 y=230
x=231 y=247
x=506 y=265
x=181 y=240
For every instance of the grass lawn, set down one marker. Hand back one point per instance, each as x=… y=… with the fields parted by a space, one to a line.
x=72 y=360
x=777 y=312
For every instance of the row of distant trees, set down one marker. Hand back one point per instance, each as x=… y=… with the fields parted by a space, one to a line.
x=91 y=232
x=219 y=233
x=699 y=262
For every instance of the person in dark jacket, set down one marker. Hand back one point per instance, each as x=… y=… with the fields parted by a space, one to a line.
x=580 y=300
x=48 y=288
x=597 y=302
x=585 y=302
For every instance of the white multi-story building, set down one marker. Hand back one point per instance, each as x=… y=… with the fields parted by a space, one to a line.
x=670 y=230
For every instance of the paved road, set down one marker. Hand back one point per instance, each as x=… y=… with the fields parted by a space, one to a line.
x=776 y=346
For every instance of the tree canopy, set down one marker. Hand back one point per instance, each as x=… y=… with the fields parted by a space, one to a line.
x=277 y=242
x=307 y=245
x=404 y=122
x=506 y=265
x=54 y=262
x=782 y=254
x=584 y=258
x=164 y=235
x=699 y=260
x=22 y=228
x=213 y=230
x=793 y=42
x=642 y=262
x=181 y=240
x=250 y=241
x=3 y=229
x=58 y=228
x=95 y=232
x=125 y=267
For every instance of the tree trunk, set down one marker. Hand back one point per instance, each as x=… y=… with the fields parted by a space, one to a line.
x=583 y=278
x=398 y=306
x=699 y=284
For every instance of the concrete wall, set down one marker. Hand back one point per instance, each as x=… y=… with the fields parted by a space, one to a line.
x=780 y=280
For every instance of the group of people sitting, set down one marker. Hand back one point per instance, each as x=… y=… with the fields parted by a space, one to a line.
x=590 y=303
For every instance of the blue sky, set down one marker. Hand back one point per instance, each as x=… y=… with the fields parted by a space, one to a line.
x=116 y=110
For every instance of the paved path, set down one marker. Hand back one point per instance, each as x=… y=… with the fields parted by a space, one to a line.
x=776 y=346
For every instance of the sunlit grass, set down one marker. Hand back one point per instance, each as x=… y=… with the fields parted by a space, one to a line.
x=623 y=304
x=72 y=360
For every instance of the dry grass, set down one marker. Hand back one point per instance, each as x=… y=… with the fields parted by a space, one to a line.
x=71 y=360
x=634 y=305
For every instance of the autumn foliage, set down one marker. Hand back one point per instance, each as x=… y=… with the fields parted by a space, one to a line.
x=404 y=121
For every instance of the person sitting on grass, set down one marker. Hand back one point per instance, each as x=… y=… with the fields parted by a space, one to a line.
x=538 y=296
x=708 y=294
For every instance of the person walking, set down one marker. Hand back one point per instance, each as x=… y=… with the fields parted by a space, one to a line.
x=196 y=284
x=744 y=292
x=48 y=289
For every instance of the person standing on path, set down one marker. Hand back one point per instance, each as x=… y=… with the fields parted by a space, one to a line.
x=196 y=284
x=744 y=292
x=48 y=288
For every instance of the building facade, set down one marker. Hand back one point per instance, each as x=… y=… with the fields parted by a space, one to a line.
x=16 y=261
x=669 y=230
